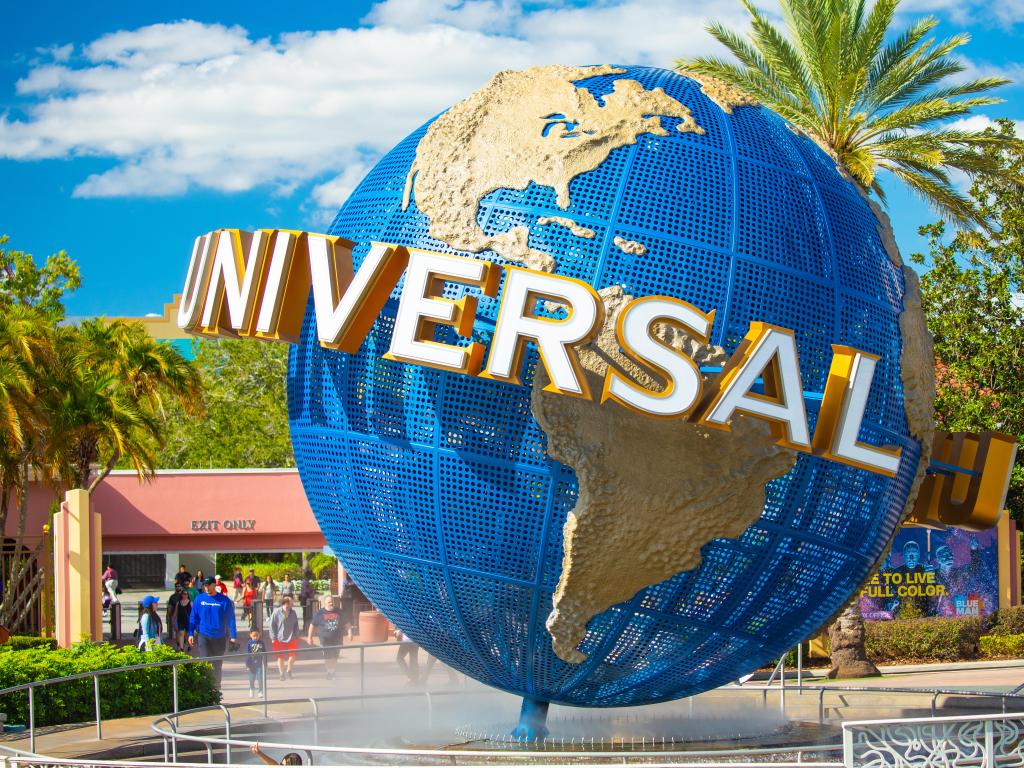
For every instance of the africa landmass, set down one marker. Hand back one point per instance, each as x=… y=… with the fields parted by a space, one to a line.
x=631 y=527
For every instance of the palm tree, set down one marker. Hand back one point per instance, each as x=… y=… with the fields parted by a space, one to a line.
x=25 y=348
x=149 y=370
x=874 y=104
x=105 y=400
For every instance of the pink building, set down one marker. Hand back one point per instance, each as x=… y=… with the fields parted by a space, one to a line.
x=186 y=516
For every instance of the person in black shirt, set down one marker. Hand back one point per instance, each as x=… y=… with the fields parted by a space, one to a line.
x=331 y=628
x=182 y=577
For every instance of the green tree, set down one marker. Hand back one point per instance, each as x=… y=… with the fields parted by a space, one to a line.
x=973 y=296
x=24 y=282
x=105 y=400
x=74 y=401
x=246 y=417
x=876 y=105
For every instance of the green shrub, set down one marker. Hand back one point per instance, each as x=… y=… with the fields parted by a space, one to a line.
x=226 y=561
x=1002 y=645
x=131 y=693
x=1008 y=621
x=923 y=639
x=322 y=565
x=21 y=642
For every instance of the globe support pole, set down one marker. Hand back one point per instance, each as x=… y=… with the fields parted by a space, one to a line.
x=533 y=718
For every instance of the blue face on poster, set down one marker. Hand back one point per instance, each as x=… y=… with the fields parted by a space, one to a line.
x=935 y=573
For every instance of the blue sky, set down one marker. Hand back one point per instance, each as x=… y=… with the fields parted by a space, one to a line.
x=126 y=129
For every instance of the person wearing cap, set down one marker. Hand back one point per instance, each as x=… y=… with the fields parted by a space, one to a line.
x=221 y=586
x=212 y=624
x=150 y=628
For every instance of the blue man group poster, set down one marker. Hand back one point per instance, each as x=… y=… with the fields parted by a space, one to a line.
x=935 y=573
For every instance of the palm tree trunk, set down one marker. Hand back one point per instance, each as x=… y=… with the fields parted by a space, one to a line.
x=846 y=637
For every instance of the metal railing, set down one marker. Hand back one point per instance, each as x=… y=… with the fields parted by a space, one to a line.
x=646 y=751
x=174 y=664
x=638 y=749
x=171 y=734
x=984 y=740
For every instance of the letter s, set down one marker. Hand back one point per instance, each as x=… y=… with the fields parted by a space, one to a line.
x=635 y=331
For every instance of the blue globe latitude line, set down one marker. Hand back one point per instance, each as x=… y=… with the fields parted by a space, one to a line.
x=436 y=491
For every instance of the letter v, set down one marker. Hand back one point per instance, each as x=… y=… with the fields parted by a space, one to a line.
x=347 y=304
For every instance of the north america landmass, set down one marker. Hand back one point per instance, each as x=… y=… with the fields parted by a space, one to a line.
x=629 y=529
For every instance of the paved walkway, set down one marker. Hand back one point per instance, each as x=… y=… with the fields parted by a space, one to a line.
x=381 y=674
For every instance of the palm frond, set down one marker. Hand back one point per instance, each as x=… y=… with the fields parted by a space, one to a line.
x=879 y=105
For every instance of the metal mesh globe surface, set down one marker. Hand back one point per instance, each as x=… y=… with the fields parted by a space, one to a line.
x=435 y=489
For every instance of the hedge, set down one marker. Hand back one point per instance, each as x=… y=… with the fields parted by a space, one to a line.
x=1003 y=645
x=1008 y=621
x=136 y=692
x=21 y=642
x=278 y=570
x=934 y=639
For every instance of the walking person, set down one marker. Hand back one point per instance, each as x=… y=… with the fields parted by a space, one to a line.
x=255 y=662
x=284 y=636
x=248 y=597
x=110 y=580
x=211 y=625
x=236 y=582
x=270 y=590
x=408 y=658
x=169 y=618
x=330 y=628
x=150 y=626
x=287 y=586
x=221 y=586
x=182 y=578
x=182 y=614
x=306 y=595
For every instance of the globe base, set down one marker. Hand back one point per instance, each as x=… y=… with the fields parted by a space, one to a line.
x=533 y=717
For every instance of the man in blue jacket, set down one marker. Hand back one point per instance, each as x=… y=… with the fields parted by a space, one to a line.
x=212 y=624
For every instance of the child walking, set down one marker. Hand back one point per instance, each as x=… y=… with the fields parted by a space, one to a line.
x=254 y=662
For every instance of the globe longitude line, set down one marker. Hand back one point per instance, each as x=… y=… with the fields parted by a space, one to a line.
x=441 y=543
x=722 y=320
x=613 y=217
x=538 y=581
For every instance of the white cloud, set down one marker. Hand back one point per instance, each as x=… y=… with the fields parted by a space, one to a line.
x=329 y=195
x=1002 y=13
x=189 y=105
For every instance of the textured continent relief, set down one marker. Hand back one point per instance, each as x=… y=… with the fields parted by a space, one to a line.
x=652 y=492
x=488 y=142
x=634 y=524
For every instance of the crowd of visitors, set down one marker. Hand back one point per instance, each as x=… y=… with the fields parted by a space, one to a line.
x=200 y=618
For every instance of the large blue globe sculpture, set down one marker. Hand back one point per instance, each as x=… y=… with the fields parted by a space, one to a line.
x=436 y=491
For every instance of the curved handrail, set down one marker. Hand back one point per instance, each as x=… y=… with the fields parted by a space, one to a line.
x=548 y=754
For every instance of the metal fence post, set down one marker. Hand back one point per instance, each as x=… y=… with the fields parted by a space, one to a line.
x=316 y=721
x=800 y=667
x=31 y=719
x=821 y=704
x=989 y=758
x=362 y=670
x=96 y=698
x=174 y=686
x=847 y=747
x=227 y=734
